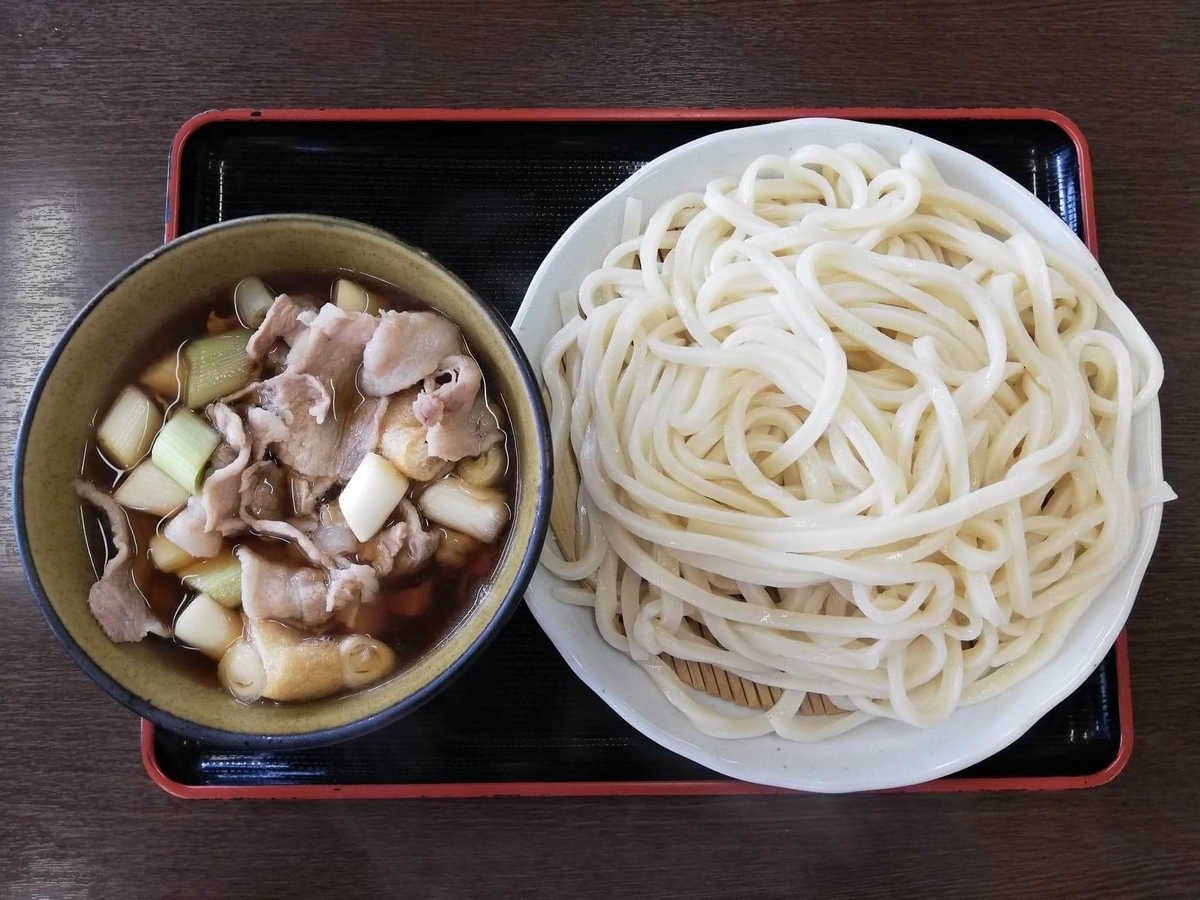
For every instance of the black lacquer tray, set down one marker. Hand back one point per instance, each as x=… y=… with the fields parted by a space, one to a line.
x=488 y=192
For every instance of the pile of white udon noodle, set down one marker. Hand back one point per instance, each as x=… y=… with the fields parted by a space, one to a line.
x=844 y=429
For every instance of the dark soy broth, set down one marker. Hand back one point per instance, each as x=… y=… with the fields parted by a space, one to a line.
x=411 y=629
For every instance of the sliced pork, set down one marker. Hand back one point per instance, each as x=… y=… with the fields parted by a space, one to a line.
x=360 y=436
x=467 y=431
x=405 y=348
x=329 y=447
x=262 y=492
x=222 y=490
x=305 y=595
x=453 y=410
x=265 y=508
x=290 y=531
x=188 y=530
x=351 y=585
x=273 y=590
x=292 y=393
x=404 y=548
x=115 y=600
x=223 y=456
x=284 y=322
x=385 y=547
x=332 y=347
x=400 y=549
x=332 y=534
x=265 y=428
x=452 y=386
x=288 y=422
x=311 y=416
x=307 y=492
x=420 y=545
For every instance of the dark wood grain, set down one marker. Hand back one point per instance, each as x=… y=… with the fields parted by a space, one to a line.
x=90 y=96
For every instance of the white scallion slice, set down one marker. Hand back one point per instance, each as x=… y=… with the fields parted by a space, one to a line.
x=353 y=297
x=372 y=493
x=149 y=489
x=251 y=300
x=476 y=511
x=128 y=430
x=208 y=626
x=183 y=448
x=168 y=556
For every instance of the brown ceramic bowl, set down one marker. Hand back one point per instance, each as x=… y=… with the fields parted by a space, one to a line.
x=150 y=677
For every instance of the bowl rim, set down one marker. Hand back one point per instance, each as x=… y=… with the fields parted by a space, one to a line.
x=357 y=727
x=665 y=725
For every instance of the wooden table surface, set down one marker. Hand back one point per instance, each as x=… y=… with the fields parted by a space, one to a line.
x=90 y=96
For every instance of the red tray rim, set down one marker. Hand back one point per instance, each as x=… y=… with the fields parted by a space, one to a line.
x=616 y=114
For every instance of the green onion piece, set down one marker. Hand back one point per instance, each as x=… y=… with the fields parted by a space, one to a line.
x=217 y=366
x=251 y=300
x=128 y=430
x=183 y=447
x=220 y=578
x=149 y=489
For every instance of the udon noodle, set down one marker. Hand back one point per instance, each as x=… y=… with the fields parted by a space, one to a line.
x=843 y=429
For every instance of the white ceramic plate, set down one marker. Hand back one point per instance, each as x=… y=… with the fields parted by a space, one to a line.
x=879 y=754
